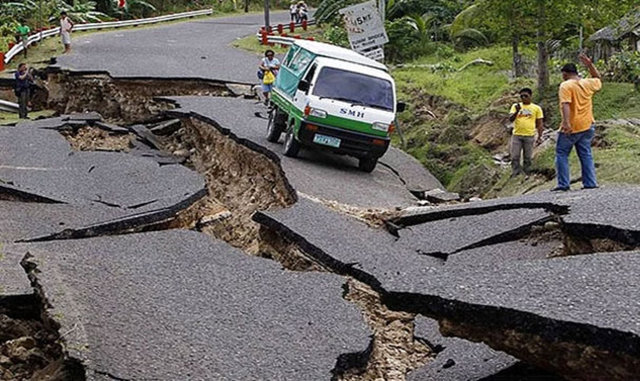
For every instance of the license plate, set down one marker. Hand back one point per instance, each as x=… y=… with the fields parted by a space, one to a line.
x=326 y=140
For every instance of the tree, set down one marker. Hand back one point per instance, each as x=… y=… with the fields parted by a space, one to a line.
x=512 y=21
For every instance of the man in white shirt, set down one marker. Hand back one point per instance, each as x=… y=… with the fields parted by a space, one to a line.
x=65 y=31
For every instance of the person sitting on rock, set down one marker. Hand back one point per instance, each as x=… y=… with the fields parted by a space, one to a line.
x=528 y=118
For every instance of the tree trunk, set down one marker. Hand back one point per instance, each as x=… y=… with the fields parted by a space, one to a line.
x=517 y=57
x=246 y=6
x=543 y=55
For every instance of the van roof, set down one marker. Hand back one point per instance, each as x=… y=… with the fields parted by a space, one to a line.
x=352 y=66
x=336 y=52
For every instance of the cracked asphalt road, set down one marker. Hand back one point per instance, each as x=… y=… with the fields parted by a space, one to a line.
x=178 y=304
x=194 y=49
x=315 y=173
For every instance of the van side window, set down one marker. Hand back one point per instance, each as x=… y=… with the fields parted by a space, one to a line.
x=310 y=73
x=300 y=62
x=292 y=51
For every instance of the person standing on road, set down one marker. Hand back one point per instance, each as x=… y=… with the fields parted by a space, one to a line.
x=22 y=87
x=528 y=118
x=269 y=64
x=293 y=12
x=23 y=33
x=578 y=125
x=65 y=31
x=302 y=11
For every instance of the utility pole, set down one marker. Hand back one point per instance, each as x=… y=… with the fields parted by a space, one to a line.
x=266 y=15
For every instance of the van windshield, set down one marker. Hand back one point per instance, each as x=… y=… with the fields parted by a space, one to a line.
x=354 y=88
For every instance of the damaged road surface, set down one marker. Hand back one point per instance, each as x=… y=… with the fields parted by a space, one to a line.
x=199 y=49
x=575 y=316
x=178 y=305
x=110 y=191
x=316 y=174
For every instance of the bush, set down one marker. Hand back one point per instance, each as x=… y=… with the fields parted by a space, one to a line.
x=337 y=35
x=405 y=42
x=624 y=67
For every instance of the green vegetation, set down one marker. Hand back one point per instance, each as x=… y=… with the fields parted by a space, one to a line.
x=11 y=118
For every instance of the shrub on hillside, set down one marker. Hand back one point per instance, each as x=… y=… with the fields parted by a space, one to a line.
x=624 y=67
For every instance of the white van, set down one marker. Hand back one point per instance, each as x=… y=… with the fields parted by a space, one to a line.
x=335 y=99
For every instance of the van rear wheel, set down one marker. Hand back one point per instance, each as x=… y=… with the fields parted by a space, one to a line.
x=275 y=125
x=367 y=164
x=291 y=145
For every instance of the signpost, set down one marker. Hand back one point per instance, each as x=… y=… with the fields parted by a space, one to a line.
x=365 y=29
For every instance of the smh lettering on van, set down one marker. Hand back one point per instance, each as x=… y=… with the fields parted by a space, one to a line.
x=357 y=114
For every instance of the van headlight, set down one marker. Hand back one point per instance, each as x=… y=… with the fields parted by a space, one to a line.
x=380 y=126
x=318 y=113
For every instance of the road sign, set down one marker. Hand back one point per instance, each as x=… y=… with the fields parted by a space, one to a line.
x=376 y=54
x=364 y=26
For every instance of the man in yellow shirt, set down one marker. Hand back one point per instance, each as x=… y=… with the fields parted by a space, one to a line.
x=578 y=126
x=528 y=118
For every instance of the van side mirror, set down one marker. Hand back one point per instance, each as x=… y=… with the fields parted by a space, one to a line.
x=303 y=85
x=401 y=106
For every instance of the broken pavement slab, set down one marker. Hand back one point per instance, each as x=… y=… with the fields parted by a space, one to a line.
x=319 y=174
x=445 y=237
x=456 y=359
x=176 y=304
x=577 y=322
x=44 y=165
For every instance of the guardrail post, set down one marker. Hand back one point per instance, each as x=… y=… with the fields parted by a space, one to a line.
x=292 y=27
x=304 y=24
x=280 y=28
x=1 y=61
x=311 y=39
x=11 y=45
x=265 y=39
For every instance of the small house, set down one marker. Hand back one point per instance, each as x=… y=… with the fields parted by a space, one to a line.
x=623 y=34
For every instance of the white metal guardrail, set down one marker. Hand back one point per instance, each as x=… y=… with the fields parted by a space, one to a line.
x=102 y=25
x=8 y=106
x=281 y=40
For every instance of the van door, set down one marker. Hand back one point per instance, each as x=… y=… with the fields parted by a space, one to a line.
x=300 y=99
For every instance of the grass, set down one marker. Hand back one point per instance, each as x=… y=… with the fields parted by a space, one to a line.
x=474 y=88
x=7 y=118
x=441 y=145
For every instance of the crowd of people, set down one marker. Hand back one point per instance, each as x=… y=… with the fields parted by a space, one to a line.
x=577 y=129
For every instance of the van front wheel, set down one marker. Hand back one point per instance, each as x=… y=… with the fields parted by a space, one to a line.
x=291 y=145
x=275 y=126
x=367 y=164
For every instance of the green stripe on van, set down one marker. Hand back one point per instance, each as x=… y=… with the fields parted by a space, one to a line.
x=331 y=120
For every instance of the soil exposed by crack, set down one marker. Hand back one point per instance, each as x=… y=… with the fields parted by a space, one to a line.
x=238 y=178
x=120 y=100
x=96 y=139
x=574 y=361
x=395 y=350
x=30 y=346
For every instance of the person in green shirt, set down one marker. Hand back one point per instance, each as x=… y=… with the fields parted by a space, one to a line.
x=528 y=118
x=23 y=32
